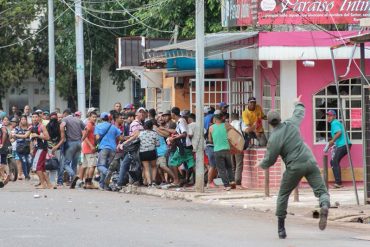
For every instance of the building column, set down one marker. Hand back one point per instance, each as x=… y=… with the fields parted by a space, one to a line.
x=288 y=87
x=257 y=85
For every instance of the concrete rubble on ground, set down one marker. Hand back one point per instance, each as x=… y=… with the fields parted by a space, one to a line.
x=343 y=209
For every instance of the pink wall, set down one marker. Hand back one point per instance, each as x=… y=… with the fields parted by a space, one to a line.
x=312 y=80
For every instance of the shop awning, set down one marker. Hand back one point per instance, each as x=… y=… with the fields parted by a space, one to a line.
x=215 y=43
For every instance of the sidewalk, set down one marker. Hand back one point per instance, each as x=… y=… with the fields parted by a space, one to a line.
x=344 y=207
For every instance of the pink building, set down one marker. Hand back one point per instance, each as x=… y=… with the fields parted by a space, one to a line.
x=276 y=67
x=286 y=64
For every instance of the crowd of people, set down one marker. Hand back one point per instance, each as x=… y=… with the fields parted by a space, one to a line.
x=124 y=145
x=129 y=145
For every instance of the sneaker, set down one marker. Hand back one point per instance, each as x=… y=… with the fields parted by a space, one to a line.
x=107 y=179
x=1 y=184
x=74 y=181
x=337 y=186
x=228 y=188
x=211 y=185
x=324 y=211
x=79 y=183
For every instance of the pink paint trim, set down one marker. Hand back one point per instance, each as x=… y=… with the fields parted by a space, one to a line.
x=302 y=39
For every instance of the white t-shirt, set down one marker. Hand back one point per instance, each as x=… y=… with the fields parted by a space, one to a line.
x=182 y=127
x=236 y=125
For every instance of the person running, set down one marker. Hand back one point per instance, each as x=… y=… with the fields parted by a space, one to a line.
x=286 y=141
x=72 y=150
x=89 y=160
x=106 y=135
x=39 y=137
x=184 y=151
x=57 y=139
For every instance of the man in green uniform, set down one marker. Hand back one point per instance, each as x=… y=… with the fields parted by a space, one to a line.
x=286 y=141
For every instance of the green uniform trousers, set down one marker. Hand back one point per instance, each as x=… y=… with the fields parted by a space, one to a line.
x=291 y=178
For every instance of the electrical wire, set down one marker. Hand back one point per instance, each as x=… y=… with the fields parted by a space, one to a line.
x=94 y=24
x=34 y=34
x=137 y=19
x=148 y=6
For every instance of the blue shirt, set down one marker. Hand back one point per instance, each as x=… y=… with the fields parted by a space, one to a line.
x=162 y=149
x=335 y=127
x=109 y=140
x=207 y=121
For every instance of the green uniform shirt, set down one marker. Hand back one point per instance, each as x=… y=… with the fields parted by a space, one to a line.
x=219 y=137
x=287 y=142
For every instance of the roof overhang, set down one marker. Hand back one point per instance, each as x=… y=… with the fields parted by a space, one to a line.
x=215 y=44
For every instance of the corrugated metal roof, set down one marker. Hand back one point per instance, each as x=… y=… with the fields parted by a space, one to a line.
x=212 y=39
x=213 y=43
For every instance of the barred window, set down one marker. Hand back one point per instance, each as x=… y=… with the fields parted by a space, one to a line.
x=326 y=99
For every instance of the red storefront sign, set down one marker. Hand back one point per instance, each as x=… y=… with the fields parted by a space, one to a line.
x=276 y=12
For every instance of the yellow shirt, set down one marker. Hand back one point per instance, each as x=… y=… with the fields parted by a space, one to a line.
x=252 y=117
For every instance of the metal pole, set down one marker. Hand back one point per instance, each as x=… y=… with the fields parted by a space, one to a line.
x=296 y=194
x=344 y=124
x=267 y=182
x=91 y=57
x=80 y=62
x=364 y=109
x=199 y=19
x=325 y=170
x=51 y=43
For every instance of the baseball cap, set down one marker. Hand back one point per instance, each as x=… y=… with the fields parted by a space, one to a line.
x=206 y=109
x=217 y=112
x=90 y=110
x=273 y=115
x=252 y=99
x=140 y=109
x=331 y=113
x=184 y=113
x=77 y=113
x=129 y=106
x=46 y=113
x=104 y=115
x=54 y=113
x=223 y=104
x=39 y=111
x=166 y=112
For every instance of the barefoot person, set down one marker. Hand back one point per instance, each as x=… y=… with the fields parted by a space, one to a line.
x=286 y=141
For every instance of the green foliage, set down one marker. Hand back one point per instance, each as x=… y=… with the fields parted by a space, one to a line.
x=16 y=61
x=135 y=17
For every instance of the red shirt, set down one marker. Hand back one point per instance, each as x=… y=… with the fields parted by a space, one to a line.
x=86 y=149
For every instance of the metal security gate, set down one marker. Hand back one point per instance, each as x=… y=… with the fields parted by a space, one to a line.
x=235 y=93
x=366 y=142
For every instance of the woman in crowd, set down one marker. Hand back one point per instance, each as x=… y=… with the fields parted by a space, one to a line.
x=22 y=148
x=149 y=140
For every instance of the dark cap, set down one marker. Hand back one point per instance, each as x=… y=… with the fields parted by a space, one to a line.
x=273 y=115
x=252 y=99
x=331 y=113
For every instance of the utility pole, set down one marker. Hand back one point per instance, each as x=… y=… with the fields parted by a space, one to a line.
x=80 y=60
x=51 y=43
x=199 y=20
x=176 y=34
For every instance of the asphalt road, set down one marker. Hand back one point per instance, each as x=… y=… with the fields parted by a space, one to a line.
x=94 y=218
